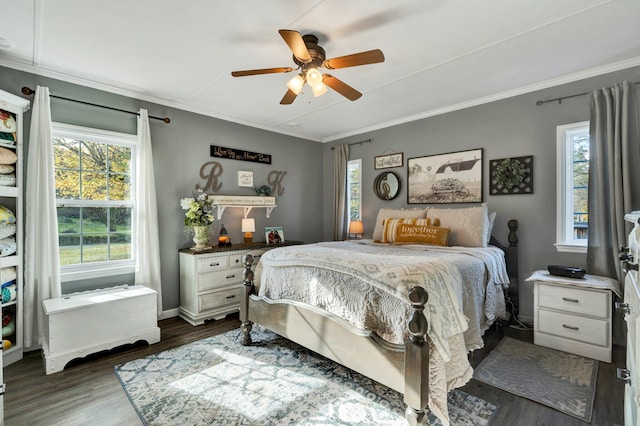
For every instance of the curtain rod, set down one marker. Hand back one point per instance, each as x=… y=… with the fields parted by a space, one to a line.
x=354 y=143
x=30 y=92
x=560 y=99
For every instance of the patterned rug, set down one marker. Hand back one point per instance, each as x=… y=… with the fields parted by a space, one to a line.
x=273 y=382
x=560 y=380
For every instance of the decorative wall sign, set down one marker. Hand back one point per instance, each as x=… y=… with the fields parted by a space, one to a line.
x=239 y=154
x=388 y=161
x=511 y=175
x=446 y=178
x=245 y=178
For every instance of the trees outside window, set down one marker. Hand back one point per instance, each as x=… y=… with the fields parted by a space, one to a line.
x=95 y=177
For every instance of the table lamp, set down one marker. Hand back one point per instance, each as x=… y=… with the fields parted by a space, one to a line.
x=248 y=226
x=356 y=228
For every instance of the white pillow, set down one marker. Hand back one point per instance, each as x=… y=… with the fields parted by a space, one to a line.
x=470 y=226
x=395 y=214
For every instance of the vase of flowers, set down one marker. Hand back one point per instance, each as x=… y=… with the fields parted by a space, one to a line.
x=198 y=217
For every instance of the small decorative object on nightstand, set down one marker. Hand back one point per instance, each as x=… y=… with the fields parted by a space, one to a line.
x=248 y=226
x=223 y=239
x=356 y=228
x=574 y=315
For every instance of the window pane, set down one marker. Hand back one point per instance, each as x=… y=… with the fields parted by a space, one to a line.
x=94 y=186
x=94 y=248
x=119 y=186
x=120 y=247
x=66 y=153
x=120 y=219
x=94 y=220
x=94 y=156
x=69 y=249
x=119 y=159
x=67 y=184
x=68 y=220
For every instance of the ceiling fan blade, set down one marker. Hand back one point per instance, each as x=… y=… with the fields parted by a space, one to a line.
x=341 y=87
x=362 y=58
x=296 y=44
x=261 y=71
x=288 y=97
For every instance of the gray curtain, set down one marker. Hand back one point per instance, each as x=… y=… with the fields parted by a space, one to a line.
x=340 y=208
x=614 y=180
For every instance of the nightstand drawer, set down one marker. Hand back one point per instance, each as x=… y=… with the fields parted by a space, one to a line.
x=235 y=261
x=582 y=329
x=220 y=279
x=213 y=263
x=219 y=298
x=574 y=300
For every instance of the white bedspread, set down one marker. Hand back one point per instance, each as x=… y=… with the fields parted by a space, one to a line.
x=367 y=284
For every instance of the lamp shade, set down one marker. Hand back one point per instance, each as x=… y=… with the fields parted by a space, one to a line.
x=248 y=225
x=356 y=227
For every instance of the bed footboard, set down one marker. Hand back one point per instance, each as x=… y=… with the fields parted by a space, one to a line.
x=416 y=360
x=247 y=290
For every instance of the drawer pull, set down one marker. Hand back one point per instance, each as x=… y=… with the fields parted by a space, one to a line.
x=231 y=276
x=233 y=296
x=568 y=299
x=215 y=264
x=623 y=307
x=570 y=327
x=624 y=375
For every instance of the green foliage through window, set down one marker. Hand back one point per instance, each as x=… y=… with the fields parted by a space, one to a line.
x=94 y=197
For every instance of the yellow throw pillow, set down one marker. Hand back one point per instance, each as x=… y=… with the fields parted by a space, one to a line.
x=391 y=232
x=422 y=234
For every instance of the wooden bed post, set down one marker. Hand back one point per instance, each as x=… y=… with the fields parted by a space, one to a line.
x=416 y=360
x=248 y=289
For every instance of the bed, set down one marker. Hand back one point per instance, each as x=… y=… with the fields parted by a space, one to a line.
x=405 y=315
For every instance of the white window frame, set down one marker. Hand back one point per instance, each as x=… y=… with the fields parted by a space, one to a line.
x=349 y=166
x=94 y=270
x=565 y=242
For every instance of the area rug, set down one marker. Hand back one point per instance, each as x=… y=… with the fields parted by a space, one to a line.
x=217 y=381
x=560 y=380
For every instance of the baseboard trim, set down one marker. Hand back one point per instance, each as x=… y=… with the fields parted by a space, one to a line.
x=169 y=313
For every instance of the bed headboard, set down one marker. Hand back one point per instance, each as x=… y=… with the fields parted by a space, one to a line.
x=511 y=258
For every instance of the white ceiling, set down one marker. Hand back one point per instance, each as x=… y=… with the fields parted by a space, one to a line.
x=441 y=55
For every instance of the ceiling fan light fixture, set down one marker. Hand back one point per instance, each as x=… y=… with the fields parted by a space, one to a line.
x=319 y=89
x=314 y=77
x=296 y=83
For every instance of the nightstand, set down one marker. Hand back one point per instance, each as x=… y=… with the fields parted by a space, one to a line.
x=574 y=315
x=211 y=280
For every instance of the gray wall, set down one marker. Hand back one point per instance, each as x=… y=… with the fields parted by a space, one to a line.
x=511 y=127
x=508 y=128
x=179 y=149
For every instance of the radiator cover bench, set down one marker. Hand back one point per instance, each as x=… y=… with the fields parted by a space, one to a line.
x=84 y=323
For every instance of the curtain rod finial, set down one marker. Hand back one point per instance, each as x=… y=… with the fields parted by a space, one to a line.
x=166 y=120
x=27 y=91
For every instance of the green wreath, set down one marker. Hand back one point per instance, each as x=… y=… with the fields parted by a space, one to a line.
x=510 y=173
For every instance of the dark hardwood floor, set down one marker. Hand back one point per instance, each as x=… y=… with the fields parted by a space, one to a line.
x=87 y=392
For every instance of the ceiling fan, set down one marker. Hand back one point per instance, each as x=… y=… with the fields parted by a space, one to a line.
x=309 y=57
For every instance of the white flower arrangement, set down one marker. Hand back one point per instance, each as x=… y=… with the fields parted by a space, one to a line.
x=199 y=209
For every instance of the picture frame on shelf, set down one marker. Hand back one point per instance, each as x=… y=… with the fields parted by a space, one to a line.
x=245 y=178
x=455 y=177
x=273 y=235
x=388 y=161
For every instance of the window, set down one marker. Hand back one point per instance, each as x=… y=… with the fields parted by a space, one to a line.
x=94 y=174
x=572 y=187
x=354 y=178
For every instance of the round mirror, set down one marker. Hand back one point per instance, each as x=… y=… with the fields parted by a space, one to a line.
x=387 y=186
